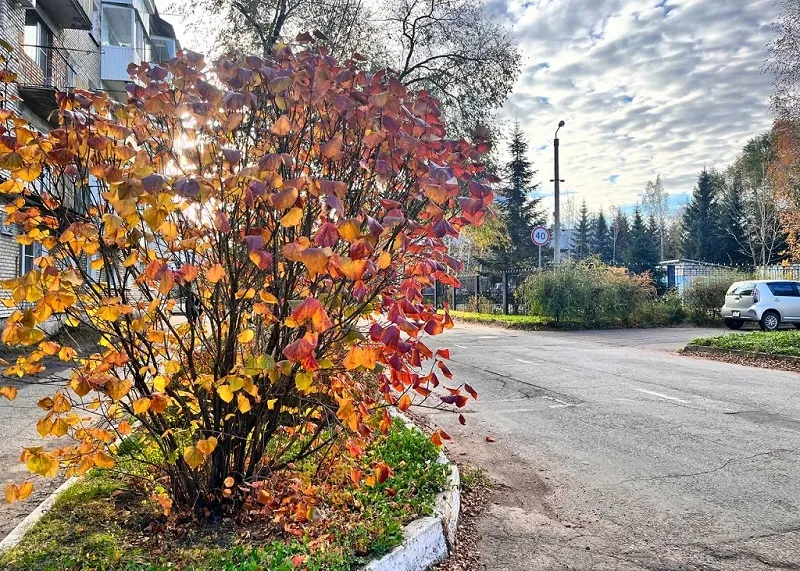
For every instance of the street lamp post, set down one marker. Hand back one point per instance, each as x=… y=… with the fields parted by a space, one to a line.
x=557 y=221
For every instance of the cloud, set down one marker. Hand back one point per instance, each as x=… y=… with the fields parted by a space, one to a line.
x=645 y=87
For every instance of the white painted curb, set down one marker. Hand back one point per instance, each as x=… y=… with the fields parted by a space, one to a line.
x=16 y=534
x=428 y=540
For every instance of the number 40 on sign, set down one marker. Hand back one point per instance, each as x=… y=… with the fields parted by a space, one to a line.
x=541 y=237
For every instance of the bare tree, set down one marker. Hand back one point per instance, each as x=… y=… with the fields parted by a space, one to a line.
x=784 y=62
x=454 y=49
x=655 y=202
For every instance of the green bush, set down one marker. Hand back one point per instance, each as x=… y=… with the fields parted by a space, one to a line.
x=589 y=293
x=662 y=312
x=704 y=296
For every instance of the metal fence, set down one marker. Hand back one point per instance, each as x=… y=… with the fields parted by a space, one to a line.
x=483 y=293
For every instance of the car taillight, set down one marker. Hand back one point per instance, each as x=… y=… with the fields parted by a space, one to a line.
x=755 y=295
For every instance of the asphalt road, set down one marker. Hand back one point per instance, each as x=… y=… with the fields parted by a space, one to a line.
x=613 y=452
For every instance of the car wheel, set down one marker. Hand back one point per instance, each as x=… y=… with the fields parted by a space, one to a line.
x=735 y=323
x=770 y=321
x=796 y=325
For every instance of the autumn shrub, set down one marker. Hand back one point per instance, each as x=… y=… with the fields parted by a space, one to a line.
x=588 y=293
x=703 y=296
x=298 y=204
x=665 y=311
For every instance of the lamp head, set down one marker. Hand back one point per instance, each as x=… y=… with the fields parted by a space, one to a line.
x=561 y=124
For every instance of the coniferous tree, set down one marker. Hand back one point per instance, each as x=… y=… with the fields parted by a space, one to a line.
x=601 y=238
x=701 y=220
x=619 y=235
x=732 y=239
x=642 y=252
x=654 y=233
x=518 y=208
x=583 y=235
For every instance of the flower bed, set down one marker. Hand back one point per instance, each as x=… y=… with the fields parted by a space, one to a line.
x=108 y=521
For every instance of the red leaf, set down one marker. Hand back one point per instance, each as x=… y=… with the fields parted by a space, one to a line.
x=489 y=439
x=473 y=393
x=461 y=419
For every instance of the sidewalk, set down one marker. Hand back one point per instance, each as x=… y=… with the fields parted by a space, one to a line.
x=18 y=428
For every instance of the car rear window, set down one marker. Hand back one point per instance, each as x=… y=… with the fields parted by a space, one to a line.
x=745 y=288
x=783 y=289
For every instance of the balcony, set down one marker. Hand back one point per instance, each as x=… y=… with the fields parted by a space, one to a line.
x=69 y=14
x=114 y=63
x=43 y=70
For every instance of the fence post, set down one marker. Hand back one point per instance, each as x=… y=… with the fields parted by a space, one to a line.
x=435 y=294
x=505 y=293
x=477 y=290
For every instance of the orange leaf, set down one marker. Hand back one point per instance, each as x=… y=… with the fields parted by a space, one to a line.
x=9 y=392
x=404 y=402
x=292 y=218
x=281 y=127
x=215 y=273
x=360 y=357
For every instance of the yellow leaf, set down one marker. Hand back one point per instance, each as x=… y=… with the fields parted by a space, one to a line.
x=39 y=462
x=193 y=457
x=142 y=405
x=303 y=380
x=228 y=483
x=384 y=260
x=215 y=273
x=60 y=427
x=160 y=382
x=49 y=348
x=132 y=258
x=171 y=367
x=9 y=392
x=118 y=389
x=225 y=393
x=243 y=403
x=292 y=218
x=271 y=404
x=246 y=336
x=267 y=297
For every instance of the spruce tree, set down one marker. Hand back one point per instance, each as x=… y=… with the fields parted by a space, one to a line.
x=701 y=221
x=518 y=208
x=619 y=235
x=601 y=238
x=583 y=237
x=732 y=240
x=654 y=233
x=642 y=252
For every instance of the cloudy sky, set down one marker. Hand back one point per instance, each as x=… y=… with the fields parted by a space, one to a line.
x=645 y=86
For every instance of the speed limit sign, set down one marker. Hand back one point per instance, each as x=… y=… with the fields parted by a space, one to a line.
x=540 y=236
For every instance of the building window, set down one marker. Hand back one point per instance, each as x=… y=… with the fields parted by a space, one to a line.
x=27 y=254
x=39 y=44
x=117 y=23
x=164 y=49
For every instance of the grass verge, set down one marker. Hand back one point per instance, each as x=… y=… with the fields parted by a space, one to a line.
x=527 y=322
x=783 y=343
x=101 y=523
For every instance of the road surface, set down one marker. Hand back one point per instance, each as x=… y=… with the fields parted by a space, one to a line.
x=613 y=452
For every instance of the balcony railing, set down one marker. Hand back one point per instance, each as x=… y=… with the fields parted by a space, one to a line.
x=75 y=14
x=46 y=69
x=115 y=62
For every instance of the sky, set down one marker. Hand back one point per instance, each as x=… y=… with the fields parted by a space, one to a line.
x=646 y=87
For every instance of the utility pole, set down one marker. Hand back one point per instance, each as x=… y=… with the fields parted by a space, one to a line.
x=557 y=181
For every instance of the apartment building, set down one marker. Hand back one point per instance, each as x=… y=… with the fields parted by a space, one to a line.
x=59 y=45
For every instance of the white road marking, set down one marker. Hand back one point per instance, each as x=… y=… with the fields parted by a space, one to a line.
x=561 y=405
x=459 y=346
x=486 y=337
x=655 y=394
x=526 y=362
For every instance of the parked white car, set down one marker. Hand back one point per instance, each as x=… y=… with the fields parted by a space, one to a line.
x=767 y=302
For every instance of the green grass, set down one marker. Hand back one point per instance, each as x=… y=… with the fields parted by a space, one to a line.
x=775 y=343
x=531 y=322
x=101 y=524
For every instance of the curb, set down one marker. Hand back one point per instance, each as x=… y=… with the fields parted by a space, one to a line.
x=16 y=534
x=426 y=541
x=692 y=348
